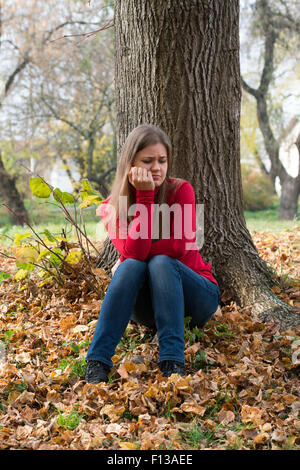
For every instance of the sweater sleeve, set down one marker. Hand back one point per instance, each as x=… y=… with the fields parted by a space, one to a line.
x=133 y=241
x=182 y=234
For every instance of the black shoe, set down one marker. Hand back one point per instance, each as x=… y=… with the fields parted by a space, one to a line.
x=96 y=372
x=171 y=367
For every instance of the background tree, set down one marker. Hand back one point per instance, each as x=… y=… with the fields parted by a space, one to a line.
x=24 y=42
x=278 y=24
x=181 y=71
x=76 y=92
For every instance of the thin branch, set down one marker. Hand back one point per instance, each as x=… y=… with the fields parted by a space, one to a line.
x=249 y=89
x=59 y=118
x=85 y=35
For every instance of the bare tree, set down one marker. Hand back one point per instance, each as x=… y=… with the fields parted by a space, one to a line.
x=23 y=42
x=271 y=22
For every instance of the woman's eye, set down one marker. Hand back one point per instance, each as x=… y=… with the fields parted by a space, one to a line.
x=149 y=161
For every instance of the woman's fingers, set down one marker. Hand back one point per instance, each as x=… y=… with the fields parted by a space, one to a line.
x=138 y=176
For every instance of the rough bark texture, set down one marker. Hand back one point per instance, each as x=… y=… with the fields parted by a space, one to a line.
x=177 y=66
x=10 y=196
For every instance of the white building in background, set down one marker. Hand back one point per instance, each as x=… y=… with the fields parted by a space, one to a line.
x=288 y=152
x=55 y=174
x=59 y=178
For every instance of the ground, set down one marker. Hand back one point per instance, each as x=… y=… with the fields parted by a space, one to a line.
x=241 y=390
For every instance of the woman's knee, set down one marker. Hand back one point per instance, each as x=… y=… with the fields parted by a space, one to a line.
x=129 y=270
x=132 y=262
x=159 y=261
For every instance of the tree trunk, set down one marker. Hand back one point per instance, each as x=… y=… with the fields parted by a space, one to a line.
x=11 y=197
x=177 y=66
x=289 y=198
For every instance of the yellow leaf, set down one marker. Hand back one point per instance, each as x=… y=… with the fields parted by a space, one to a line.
x=151 y=392
x=12 y=397
x=46 y=281
x=127 y=445
x=263 y=436
x=20 y=275
x=42 y=254
x=26 y=254
x=73 y=257
x=20 y=236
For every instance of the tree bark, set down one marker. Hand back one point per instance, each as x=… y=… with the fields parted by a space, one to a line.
x=11 y=197
x=177 y=66
x=290 y=189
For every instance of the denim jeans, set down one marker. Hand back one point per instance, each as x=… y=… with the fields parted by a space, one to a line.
x=158 y=293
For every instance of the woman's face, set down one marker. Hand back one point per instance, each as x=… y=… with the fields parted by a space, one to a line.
x=153 y=158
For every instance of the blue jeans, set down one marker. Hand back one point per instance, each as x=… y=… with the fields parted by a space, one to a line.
x=157 y=293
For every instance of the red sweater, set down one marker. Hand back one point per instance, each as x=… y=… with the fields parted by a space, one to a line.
x=131 y=245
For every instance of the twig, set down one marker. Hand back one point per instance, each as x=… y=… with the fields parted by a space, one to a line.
x=7 y=256
x=86 y=35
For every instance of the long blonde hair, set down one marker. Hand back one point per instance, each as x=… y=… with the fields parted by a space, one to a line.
x=142 y=136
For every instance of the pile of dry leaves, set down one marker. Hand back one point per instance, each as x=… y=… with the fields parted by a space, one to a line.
x=241 y=391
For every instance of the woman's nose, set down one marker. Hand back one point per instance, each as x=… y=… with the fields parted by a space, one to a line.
x=155 y=164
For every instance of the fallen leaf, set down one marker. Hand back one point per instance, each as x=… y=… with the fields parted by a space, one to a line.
x=127 y=445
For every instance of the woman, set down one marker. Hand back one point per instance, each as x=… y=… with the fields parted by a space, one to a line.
x=160 y=276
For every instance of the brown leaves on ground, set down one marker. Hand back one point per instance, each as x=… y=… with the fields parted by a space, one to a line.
x=241 y=390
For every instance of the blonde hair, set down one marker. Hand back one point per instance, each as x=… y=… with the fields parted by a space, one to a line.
x=138 y=139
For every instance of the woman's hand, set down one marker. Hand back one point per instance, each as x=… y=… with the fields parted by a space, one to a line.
x=141 y=178
x=113 y=269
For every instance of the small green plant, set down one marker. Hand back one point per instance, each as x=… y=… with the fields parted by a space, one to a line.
x=128 y=415
x=192 y=335
x=199 y=360
x=195 y=435
x=78 y=366
x=76 y=348
x=4 y=276
x=70 y=421
x=221 y=330
x=131 y=339
x=220 y=400
x=53 y=257
x=168 y=414
x=8 y=335
x=11 y=314
x=3 y=407
x=19 y=387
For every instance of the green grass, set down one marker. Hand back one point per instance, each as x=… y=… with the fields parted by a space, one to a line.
x=267 y=220
x=194 y=436
x=70 y=421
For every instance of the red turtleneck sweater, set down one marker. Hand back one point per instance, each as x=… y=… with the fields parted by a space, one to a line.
x=131 y=245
